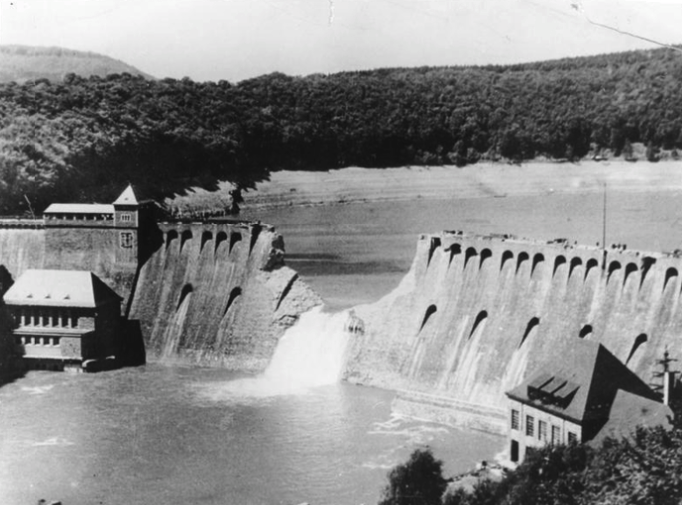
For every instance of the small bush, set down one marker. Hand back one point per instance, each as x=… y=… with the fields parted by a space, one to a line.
x=419 y=481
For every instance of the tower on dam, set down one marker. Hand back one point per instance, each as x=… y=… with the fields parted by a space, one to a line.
x=107 y=239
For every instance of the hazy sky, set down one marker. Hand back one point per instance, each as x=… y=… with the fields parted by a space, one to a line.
x=237 y=39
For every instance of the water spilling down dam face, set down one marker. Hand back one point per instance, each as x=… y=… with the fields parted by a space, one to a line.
x=214 y=294
x=218 y=294
x=477 y=314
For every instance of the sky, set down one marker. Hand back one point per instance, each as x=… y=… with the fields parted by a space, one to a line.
x=239 y=39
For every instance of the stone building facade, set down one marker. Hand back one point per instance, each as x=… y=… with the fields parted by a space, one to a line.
x=63 y=318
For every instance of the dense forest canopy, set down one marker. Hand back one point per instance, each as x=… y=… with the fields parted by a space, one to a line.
x=82 y=139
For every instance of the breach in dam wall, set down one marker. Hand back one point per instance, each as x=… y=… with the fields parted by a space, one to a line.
x=218 y=295
x=477 y=314
x=214 y=294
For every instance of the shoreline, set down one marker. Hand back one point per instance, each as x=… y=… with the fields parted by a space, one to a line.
x=483 y=180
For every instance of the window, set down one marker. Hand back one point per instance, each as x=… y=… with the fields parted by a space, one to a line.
x=126 y=240
x=126 y=217
x=515 y=419
x=530 y=426
x=556 y=435
x=572 y=438
x=542 y=430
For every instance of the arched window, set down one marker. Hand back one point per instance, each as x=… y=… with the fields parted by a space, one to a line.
x=558 y=261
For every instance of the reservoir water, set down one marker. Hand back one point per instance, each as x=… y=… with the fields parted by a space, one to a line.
x=173 y=435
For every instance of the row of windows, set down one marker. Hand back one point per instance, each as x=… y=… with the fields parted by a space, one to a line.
x=80 y=217
x=124 y=217
x=53 y=341
x=542 y=428
x=50 y=319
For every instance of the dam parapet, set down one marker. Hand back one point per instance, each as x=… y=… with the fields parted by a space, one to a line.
x=477 y=313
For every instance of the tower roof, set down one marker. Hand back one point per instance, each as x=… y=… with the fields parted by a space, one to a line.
x=127 y=197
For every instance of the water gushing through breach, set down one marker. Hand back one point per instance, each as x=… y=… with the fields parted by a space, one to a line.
x=310 y=353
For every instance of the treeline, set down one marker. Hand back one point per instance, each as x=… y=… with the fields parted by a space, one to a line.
x=81 y=139
x=643 y=469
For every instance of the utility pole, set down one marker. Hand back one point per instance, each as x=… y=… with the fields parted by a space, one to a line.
x=603 y=233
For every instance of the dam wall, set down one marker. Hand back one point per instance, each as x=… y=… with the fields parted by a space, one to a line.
x=217 y=295
x=477 y=314
x=213 y=294
x=22 y=246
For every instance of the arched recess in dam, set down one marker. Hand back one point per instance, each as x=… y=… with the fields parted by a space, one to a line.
x=479 y=324
x=537 y=259
x=206 y=236
x=585 y=331
x=454 y=249
x=639 y=341
x=506 y=256
x=531 y=329
x=430 y=310
x=523 y=257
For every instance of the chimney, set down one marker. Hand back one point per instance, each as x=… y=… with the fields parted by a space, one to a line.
x=668 y=385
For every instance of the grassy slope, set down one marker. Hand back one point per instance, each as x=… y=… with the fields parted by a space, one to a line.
x=23 y=63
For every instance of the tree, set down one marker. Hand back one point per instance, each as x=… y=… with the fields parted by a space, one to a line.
x=419 y=481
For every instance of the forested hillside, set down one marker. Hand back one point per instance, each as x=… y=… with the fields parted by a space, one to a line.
x=82 y=138
x=22 y=63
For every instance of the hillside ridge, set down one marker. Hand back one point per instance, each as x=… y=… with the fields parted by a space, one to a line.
x=21 y=63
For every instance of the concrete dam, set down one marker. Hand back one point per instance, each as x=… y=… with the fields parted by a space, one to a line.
x=218 y=295
x=214 y=294
x=476 y=314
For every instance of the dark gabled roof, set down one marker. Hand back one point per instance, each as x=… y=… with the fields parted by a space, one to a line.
x=629 y=411
x=580 y=384
x=59 y=288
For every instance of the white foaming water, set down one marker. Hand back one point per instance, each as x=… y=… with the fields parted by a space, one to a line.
x=311 y=353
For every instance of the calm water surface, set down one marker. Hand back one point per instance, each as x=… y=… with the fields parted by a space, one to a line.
x=357 y=253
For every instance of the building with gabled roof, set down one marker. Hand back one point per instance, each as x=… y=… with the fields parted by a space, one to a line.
x=63 y=318
x=584 y=394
